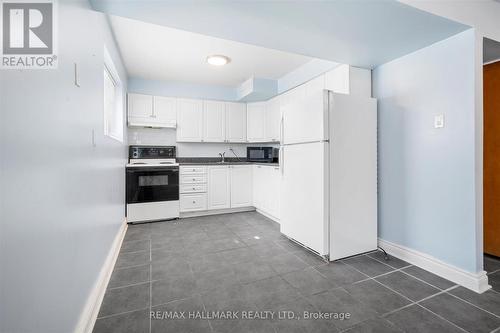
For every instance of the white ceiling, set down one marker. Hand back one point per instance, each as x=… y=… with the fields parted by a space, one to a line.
x=157 y=52
x=362 y=33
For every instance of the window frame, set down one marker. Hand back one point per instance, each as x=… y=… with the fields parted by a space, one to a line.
x=109 y=69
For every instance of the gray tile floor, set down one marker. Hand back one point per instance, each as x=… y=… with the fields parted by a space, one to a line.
x=241 y=262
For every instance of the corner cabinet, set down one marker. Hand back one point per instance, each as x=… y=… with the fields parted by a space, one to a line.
x=273 y=120
x=219 y=187
x=189 y=120
x=241 y=185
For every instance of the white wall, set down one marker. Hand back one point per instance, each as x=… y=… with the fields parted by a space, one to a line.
x=62 y=201
x=427 y=176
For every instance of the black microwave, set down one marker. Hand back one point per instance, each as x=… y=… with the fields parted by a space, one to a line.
x=262 y=154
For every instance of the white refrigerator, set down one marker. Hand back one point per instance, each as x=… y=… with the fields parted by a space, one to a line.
x=328 y=161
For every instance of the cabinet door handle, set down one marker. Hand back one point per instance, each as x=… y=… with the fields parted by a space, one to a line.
x=194 y=201
x=194 y=188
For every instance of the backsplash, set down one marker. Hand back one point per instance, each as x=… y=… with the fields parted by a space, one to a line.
x=167 y=137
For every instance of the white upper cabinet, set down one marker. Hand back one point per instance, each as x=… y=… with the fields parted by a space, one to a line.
x=315 y=85
x=241 y=185
x=140 y=109
x=151 y=111
x=256 y=122
x=189 y=120
x=164 y=111
x=273 y=119
x=218 y=187
x=236 y=122
x=214 y=114
x=360 y=81
x=293 y=96
x=337 y=80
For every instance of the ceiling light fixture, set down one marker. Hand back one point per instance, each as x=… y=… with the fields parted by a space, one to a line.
x=218 y=60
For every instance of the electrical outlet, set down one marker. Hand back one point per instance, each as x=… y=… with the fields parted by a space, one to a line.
x=439 y=121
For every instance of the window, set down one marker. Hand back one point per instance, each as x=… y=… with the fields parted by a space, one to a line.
x=113 y=100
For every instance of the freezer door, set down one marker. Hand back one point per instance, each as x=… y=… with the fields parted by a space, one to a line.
x=306 y=120
x=304 y=197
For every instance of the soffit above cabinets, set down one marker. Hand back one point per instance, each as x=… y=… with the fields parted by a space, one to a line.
x=155 y=52
x=361 y=33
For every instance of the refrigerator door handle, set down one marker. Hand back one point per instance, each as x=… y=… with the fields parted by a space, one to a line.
x=282 y=129
x=282 y=160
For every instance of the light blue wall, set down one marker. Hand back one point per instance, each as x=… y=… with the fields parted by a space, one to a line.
x=62 y=201
x=181 y=89
x=426 y=175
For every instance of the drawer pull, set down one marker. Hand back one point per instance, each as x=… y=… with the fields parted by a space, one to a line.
x=194 y=201
x=194 y=178
x=194 y=170
x=194 y=188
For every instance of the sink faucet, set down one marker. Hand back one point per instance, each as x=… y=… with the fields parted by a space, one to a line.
x=222 y=156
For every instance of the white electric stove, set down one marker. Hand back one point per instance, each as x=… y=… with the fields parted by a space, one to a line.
x=152 y=184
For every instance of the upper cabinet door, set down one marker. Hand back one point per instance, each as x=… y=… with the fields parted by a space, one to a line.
x=315 y=85
x=273 y=119
x=337 y=80
x=189 y=120
x=214 y=121
x=236 y=122
x=140 y=109
x=165 y=111
x=305 y=121
x=256 y=121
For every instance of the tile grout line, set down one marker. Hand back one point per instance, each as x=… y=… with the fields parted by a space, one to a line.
x=122 y=313
x=443 y=318
x=474 y=305
x=441 y=291
x=430 y=284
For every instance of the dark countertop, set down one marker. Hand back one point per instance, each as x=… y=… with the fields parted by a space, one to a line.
x=216 y=161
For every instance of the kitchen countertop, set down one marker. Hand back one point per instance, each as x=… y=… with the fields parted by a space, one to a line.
x=216 y=161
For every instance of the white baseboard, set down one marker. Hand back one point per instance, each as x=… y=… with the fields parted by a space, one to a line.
x=216 y=212
x=477 y=282
x=91 y=309
x=275 y=219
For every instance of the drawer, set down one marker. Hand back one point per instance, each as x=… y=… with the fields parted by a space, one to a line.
x=193 y=188
x=193 y=202
x=193 y=169
x=193 y=179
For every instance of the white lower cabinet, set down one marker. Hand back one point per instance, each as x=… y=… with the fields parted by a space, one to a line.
x=193 y=202
x=219 y=188
x=193 y=188
x=214 y=187
x=241 y=185
x=266 y=189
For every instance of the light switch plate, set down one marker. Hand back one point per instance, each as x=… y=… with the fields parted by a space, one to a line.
x=439 y=121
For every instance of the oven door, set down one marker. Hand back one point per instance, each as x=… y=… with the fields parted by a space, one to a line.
x=152 y=184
